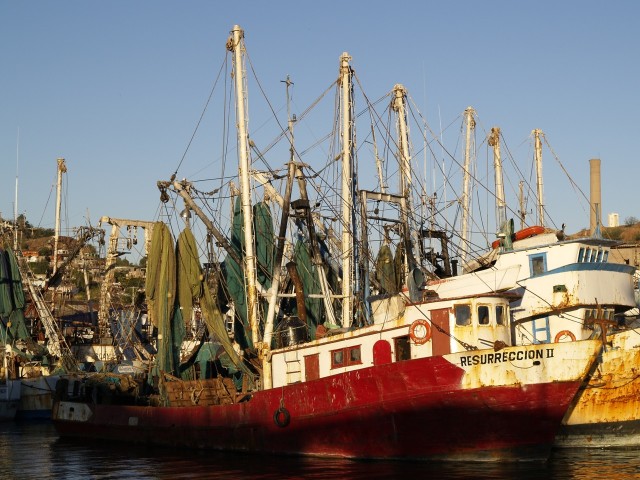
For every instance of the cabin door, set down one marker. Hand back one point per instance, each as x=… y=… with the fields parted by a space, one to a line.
x=311 y=367
x=440 y=331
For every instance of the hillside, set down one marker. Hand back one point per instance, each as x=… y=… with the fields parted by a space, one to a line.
x=625 y=233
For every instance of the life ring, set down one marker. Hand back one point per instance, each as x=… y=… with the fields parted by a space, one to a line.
x=281 y=417
x=528 y=232
x=419 y=338
x=564 y=333
x=495 y=244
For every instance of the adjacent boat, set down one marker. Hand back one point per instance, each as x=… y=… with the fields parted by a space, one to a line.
x=416 y=369
x=570 y=290
x=9 y=387
x=11 y=304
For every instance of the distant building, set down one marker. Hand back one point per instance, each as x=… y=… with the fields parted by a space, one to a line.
x=614 y=220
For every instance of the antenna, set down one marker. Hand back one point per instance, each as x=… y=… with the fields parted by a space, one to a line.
x=15 y=203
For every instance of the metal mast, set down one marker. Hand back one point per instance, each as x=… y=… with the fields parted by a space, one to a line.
x=538 y=158
x=522 y=212
x=275 y=283
x=400 y=94
x=62 y=168
x=466 y=183
x=237 y=46
x=347 y=197
x=501 y=206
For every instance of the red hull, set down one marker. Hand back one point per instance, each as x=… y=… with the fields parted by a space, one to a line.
x=414 y=409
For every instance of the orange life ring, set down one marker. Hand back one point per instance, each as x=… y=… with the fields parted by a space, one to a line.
x=528 y=232
x=495 y=244
x=420 y=338
x=564 y=333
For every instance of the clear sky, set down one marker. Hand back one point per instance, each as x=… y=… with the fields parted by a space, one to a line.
x=116 y=87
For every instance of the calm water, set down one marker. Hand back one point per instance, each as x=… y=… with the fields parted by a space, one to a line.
x=34 y=451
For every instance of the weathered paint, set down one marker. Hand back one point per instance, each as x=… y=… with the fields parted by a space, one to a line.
x=481 y=413
x=9 y=399
x=36 y=398
x=606 y=411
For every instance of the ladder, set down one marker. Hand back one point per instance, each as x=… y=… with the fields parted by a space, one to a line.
x=57 y=344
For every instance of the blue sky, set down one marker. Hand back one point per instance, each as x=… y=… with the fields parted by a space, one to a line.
x=117 y=87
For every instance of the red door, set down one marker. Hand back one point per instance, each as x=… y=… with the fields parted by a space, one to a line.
x=440 y=331
x=311 y=367
x=381 y=352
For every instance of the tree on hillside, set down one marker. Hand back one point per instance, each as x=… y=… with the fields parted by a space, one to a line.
x=630 y=221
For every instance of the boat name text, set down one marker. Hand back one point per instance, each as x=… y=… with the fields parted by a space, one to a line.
x=498 y=357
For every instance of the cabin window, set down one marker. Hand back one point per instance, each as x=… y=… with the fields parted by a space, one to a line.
x=500 y=320
x=581 y=255
x=538 y=264
x=540 y=330
x=337 y=358
x=346 y=357
x=354 y=355
x=463 y=315
x=594 y=253
x=605 y=256
x=483 y=315
x=587 y=255
x=402 y=348
x=599 y=259
x=589 y=314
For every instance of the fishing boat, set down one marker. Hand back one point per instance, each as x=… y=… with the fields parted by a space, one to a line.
x=572 y=290
x=382 y=391
x=11 y=303
x=313 y=363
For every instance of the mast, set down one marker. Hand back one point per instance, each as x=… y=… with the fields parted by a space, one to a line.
x=62 y=168
x=347 y=197
x=501 y=206
x=383 y=189
x=522 y=212
x=237 y=46
x=275 y=283
x=400 y=94
x=466 y=182
x=538 y=158
x=15 y=203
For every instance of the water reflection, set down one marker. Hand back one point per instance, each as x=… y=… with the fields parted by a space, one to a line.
x=33 y=450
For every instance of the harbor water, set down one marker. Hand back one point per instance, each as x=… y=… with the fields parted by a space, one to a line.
x=34 y=451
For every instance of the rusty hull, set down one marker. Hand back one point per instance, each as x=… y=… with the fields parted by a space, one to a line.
x=606 y=411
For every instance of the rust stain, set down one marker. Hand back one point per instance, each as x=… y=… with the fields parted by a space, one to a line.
x=613 y=391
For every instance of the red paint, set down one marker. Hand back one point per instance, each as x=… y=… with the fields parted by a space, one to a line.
x=381 y=352
x=521 y=234
x=528 y=232
x=312 y=367
x=409 y=409
x=440 y=331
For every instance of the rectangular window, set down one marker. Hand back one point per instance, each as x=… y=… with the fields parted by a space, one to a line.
x=599 y=259
x=500 y=320
x=346 y=357
x=483 y=315
x=538 y=264
x=403 y=348
x=540 y=330
x=587 y=255
x=581 y=255
x=594 y=253
x=463 y=315
x=605 y=257
x=354 y=355
x=337 y=359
